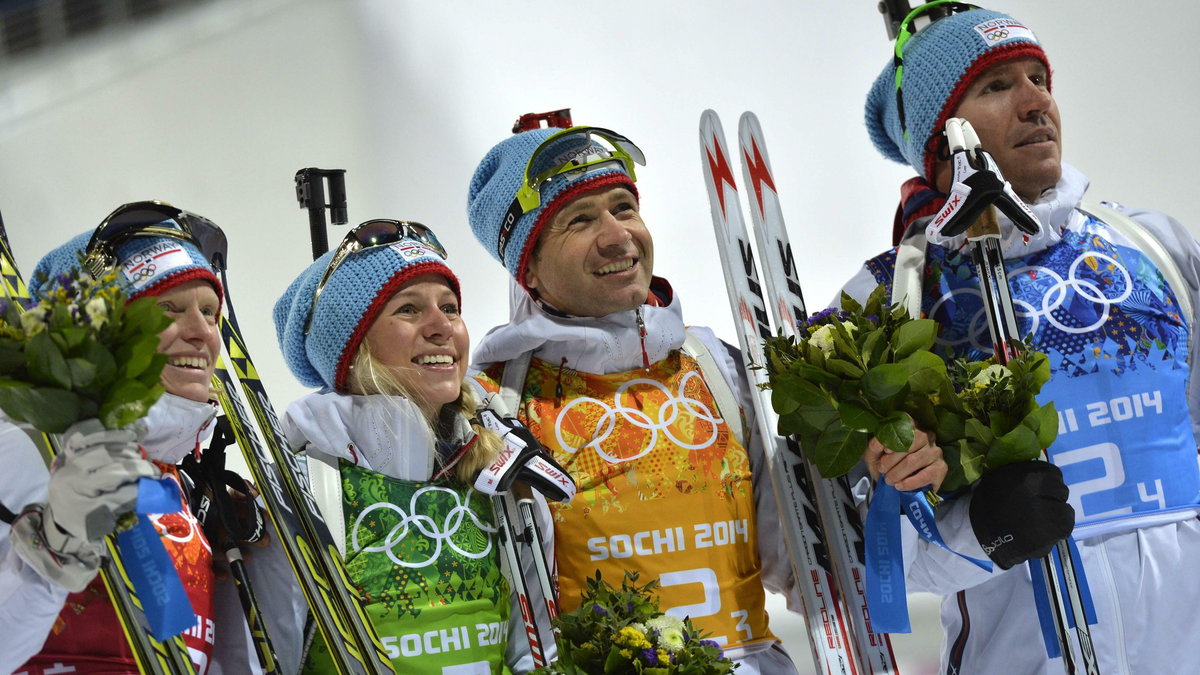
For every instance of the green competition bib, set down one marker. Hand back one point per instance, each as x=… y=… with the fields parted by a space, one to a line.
x=426 y=558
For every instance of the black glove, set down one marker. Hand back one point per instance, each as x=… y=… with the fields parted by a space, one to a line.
x=1020 y=511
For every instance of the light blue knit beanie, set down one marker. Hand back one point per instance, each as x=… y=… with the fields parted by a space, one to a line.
x=348 y=305
x=940 y=63
x=501 y=174
x=146 y=265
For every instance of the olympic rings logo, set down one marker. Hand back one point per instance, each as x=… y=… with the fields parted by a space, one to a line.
x=672 y=409
x=426 y=526
x=145 y=271
x=1055 y=292
x=998 y=35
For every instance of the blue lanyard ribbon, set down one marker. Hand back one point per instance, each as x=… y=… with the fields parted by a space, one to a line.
x=1041 y=597
x=887 y=599
x=149 y=566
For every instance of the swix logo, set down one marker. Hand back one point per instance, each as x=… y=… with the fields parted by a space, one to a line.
x=997 y=543
x=947 y=210
x=545 y=468
x=505 y=456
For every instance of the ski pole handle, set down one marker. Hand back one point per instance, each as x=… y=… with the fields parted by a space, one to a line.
x=310 y=192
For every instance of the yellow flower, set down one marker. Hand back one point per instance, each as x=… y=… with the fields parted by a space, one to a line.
x=633 y=637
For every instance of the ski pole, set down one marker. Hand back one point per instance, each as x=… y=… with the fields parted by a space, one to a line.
x=217 y=516
x=977 y=190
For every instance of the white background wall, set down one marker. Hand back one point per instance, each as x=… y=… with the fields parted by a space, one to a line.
x=216 y=108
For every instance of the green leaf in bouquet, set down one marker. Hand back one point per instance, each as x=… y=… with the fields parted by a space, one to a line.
x=843 y=368
x=812 y=354
x=106 y=366
x=976 y=430
x=814 y=374
x=858 y=417
x=127 y=402
x=1018 y=445
x=964 y=462
x=48 y=409
x=875 y=349
x=789 y=393
x=45 y=362
x=1000 y=422
x=837 y=449
x=926 y=372
x=882 y=383
x=152 y=375
x=843 y=344
x=616 y=663
x=918 y=334
x=12 y=358
x=1044 y=423
x=144 y=316
x=876 y=301
x=83 y=373
x=136 y=355
x=896 y=432
x=69 y=338
x=949 y=427
x=849 y=304
x=60 y=318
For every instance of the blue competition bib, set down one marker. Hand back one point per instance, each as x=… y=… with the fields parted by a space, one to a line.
x=1118 y=352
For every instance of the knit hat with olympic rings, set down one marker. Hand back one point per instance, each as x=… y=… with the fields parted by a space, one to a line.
x=349 y=302
x=939 y=63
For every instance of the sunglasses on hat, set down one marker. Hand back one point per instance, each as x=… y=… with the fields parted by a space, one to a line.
x=152 y=219
x=372 y=234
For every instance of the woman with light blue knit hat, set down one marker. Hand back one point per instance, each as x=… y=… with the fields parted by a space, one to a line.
x=1108 y=293
x=56 y=610
x=394 y=443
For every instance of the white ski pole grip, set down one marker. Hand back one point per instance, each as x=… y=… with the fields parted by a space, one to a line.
x=523 y=459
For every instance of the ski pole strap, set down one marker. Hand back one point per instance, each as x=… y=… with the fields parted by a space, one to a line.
x=887 y=598
x=1041 y=597
x=910 y=266
x=165 y=602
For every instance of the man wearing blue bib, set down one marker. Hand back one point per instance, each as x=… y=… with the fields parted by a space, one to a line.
x=1107 y=293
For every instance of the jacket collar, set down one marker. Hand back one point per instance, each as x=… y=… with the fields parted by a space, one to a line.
x=609 y=344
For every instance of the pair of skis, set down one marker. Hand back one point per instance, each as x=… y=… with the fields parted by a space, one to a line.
x=151 y=656
x=822 y=528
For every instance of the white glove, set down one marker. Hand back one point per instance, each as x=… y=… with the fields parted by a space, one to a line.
x=93 y=481
x=67 y=561
x=94 y=478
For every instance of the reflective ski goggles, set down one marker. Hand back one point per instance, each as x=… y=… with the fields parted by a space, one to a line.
x=922 y=15
x=598 y=149
x=152 y=219
x=372 y=234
